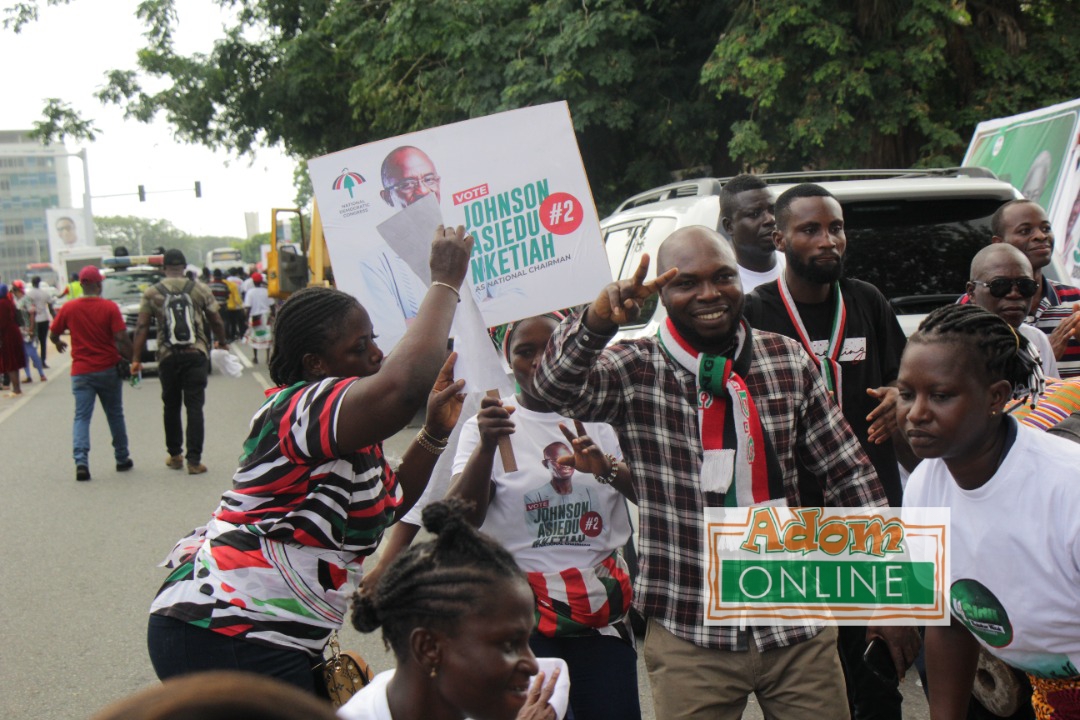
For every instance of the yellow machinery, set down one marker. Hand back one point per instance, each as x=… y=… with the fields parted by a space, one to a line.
x=287 y=270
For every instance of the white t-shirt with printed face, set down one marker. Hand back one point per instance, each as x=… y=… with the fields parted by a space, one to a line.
x=1015 y=551
x=546 y=530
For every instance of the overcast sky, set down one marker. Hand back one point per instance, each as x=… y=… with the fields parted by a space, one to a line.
x=66 y=54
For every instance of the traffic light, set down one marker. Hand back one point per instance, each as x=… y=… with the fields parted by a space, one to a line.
x=198 y=189
x=142 y=193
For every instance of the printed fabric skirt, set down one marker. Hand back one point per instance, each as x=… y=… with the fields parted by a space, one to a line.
x=260 y=333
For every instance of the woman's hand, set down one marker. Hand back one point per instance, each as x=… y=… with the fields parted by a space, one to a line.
x=587 y=457
x=444 y=403
x=450 y=253
x=536 y=706
x=494 y=422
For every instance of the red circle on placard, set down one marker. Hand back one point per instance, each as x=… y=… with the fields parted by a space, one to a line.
x=561 y=213
x=591 y=524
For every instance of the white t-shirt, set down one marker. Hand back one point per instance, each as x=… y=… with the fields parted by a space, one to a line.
x=544 y=531
x=258 y=299
x=751 y=278
x=1042 y=343
x=1016 y=551
x=371 y=704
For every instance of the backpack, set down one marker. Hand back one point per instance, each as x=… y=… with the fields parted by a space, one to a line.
x=178 y=325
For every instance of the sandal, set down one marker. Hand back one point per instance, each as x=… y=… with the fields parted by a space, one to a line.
x=13 y=395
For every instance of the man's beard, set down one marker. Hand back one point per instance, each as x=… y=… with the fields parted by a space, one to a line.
x=812 y=272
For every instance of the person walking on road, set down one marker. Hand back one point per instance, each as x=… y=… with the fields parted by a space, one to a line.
x=42 y=301
x=259 y=308
x=12 y=357
x=25 y=309
x=99 y=340
x=182 y=308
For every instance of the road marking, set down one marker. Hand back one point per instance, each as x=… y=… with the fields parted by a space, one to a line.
x=262 y=379
x=29 y=390
x=242 y=357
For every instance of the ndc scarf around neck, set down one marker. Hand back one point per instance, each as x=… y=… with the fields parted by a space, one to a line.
x=738 y=459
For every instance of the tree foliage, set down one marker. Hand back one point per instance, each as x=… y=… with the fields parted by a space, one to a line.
x=886 y=83
x=658 y=89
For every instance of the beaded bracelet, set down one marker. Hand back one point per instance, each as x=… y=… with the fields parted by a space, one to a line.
x=609 y=477
x=429 y=442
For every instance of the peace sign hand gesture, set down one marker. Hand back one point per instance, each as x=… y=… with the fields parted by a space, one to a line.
x=620 y=302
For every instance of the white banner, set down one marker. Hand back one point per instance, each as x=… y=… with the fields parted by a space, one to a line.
x=514 y=179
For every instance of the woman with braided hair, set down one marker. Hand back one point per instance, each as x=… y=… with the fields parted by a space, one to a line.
x=1015 y=503
x=265 y=582
x=457 y=613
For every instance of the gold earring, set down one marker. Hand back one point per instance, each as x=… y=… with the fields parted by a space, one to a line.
x=434 y=671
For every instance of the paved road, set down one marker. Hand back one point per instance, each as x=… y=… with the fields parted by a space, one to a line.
x=79 y=562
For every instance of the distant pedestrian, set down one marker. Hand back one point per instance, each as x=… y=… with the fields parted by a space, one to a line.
x=42 y=312
x=259 y=309
x=25 y=314
x=99 y=340
x=234 y=308
x=182 y=308
x=12 y=357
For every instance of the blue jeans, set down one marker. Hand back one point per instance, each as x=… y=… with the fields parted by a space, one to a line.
x=33 y=357
x=107 y=386
x=603 y=675
x=179 y=648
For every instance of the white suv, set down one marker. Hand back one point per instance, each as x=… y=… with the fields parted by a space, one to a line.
x=911 y=233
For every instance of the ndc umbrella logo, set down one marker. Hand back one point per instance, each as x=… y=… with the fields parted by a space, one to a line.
x=348 y=180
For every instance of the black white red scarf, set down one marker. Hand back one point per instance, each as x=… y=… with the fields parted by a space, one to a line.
x=830 y=364
x=738 y=459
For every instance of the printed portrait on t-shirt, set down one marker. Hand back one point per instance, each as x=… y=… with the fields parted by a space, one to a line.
x=558 y=512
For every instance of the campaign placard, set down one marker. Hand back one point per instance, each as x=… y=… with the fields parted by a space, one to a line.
x=515 y=180
x=848 y=566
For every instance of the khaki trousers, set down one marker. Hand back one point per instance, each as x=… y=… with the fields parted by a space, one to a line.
x=689 y=682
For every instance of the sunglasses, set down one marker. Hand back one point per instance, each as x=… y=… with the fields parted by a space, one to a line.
x=1000 y=287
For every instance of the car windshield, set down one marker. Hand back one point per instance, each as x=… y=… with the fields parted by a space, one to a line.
x=916 y=252
x=127 y=287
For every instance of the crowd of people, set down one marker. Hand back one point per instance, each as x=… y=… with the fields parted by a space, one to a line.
x=802 y=391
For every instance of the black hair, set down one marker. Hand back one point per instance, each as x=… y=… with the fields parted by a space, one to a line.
x=1006 y=354
x=36 y=280
x=997 y=220
x=736 y=186
x=308 y=322
x=803 y=190
x=436 y=583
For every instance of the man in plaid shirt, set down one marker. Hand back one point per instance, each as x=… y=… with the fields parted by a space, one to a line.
x=699 y=671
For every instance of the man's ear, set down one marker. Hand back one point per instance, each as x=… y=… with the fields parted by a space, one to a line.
x=727 y=225
x=385 y=195
x=778 y=240
x=970 y=290
x=996 y=239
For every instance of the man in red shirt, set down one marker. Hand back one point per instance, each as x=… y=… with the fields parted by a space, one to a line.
x=98 y=341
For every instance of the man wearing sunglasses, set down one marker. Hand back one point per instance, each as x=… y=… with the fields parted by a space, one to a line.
x=1003 y=282
x=1055 y=308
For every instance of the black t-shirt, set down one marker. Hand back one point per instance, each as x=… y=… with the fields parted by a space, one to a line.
x=869 y=357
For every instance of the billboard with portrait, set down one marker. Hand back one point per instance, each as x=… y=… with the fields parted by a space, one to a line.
x=1038 y=152
x=515 y=180
x=66 y=229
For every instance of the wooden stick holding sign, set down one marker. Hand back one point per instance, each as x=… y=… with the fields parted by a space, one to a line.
x=506 y=450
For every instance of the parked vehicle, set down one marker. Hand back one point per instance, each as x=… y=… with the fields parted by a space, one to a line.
x=126 y=278
x=911 y=233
